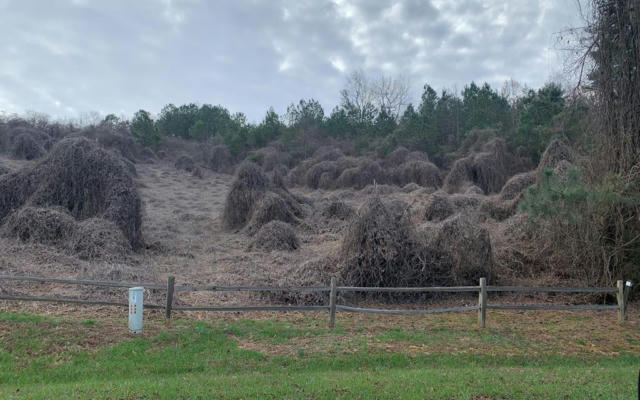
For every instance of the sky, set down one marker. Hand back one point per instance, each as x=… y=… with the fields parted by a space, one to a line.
x=70 y=57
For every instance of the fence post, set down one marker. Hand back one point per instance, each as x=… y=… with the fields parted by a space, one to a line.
x=620 y=295
x=170 y=286
x=482 y=303
x=332 y=303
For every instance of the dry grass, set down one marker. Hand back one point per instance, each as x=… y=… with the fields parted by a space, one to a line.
x=186 y=237
x=517 y=334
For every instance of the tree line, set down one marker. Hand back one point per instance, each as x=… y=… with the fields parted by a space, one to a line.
x=376 y=117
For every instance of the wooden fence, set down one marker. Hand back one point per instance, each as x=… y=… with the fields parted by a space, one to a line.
x=621 y=291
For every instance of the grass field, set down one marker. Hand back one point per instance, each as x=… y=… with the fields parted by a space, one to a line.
x=525 y=355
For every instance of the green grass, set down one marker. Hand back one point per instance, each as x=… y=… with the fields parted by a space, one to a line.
x=194 y=360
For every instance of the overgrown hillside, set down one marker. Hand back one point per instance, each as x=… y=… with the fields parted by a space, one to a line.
x=518 y=185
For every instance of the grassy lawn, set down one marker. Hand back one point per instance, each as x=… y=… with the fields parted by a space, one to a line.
x=522 y=356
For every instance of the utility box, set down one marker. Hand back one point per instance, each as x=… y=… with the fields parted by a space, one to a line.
x=135 y=309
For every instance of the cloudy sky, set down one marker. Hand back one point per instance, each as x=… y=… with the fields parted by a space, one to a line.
x=66 y=57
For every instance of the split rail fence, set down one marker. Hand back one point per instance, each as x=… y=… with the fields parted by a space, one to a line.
x=621 y=290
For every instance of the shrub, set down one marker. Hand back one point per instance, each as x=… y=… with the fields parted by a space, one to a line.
x=338 y=209
x=186 y=163
x=575 y=224
x=221 y=159
x=314 y=173
x=271 y=207
x=40 y=225
x=275 y=235
x=246 y=190
x=83 y=179
x=380 y=249
x=556 y=152
x=423 y=173
x=316 y=272
x=467 y=248
x=147 y=155
x=97 y=238
x=25 y=147
x=438 y=208
x=367 y=172
x=517 y=184
x=488 y=169
x=411 y=187
x=198 y=172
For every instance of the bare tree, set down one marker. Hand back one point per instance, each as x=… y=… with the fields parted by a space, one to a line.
x=392 y=94
x=512 y=90
x=362 y=94
x=358 y=91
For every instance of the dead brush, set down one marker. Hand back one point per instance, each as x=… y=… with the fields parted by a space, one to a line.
x=275 y=235
x=112 y=139
x=423 y=173
x=147 y=155
x=97 y=238
x=316 y=272
x=25 y=147
x=271 y=207
x=313 y=175
x=82 y=178
x=488 y=169
x=380 y=249
x=338 y=209
x=556 y=153
x=220 y=159
x=185 y=163
x=40 y=225
x=246 y=190
x=368 y=172
x=198 y=172
x=438 y=207
x=278 y=176
x=517 y=184
x=466 y=247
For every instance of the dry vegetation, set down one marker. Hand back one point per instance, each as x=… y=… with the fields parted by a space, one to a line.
x=93 y=203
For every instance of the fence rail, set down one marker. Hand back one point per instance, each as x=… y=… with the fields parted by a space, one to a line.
x=621 y=291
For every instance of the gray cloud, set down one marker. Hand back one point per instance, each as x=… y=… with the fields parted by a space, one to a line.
x=66 y=57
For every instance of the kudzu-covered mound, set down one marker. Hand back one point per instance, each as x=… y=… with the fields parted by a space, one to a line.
x=83 y=179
